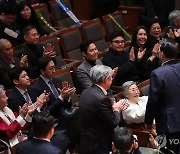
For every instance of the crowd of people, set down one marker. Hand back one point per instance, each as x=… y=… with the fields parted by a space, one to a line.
x=152 y=54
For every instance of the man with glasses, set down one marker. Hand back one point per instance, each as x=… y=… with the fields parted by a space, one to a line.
x=8 y=28
x=34 y=50
x=117 y=57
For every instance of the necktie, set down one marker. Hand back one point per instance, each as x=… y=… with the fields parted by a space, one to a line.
x=27 y=97
x=53 y=89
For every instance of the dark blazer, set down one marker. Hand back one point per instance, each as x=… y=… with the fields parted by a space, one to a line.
x=5 y=70
x=34 y=52
x=16 y=99
x=37 y=146
x=39 y=86
x=97 y=121
x=163 y=103
x=13 y=27
x=127 y=70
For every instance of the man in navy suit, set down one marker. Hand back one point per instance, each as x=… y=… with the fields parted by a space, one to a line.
x=98 y=114
x=163 y=103
x=43 y=130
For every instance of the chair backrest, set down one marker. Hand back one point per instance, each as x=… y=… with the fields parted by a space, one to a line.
x=44 y=12
x=144 y=87
x=130 y=16
x=60 y=18
x=71 y=39
x=65 y=75
x=110 y=26
x=54 y=41
x=92 y=30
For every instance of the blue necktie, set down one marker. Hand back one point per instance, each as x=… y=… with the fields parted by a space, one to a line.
x=53 y=89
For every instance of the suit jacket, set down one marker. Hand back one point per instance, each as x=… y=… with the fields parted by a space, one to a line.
x=127 y=70
x=82 y=74
x=97 y=121
x=37 y=146
x=39 y=86
x=163 y=102
x=16 y=99
x=13 y=26
x=5 y=70
x=34 y=52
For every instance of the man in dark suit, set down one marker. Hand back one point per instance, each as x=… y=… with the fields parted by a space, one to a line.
x=8 y=27
x=163 y=103
x=34 y=50
x=43 y=130
x=8 y=61
x=98 y=115
x=57 y=89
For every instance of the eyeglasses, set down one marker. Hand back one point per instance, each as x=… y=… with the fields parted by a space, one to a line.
x=118 y=41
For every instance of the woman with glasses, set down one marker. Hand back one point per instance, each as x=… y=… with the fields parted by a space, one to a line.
x=27 y=16
x=145 y=57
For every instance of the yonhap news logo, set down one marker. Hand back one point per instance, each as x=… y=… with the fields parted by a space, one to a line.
x=162 y=140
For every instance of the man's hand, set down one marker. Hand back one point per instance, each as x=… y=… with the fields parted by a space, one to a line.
x=120 y=105
x=33 y=107
x=115 y=70
x=43 y=98
x=24 y=61
x=131 y=54
x=49 y=51
x=66 y=90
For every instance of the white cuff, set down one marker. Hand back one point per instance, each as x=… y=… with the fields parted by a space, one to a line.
x=28 y=118
x=21 y=121
x=60 y=97
x=38 y=109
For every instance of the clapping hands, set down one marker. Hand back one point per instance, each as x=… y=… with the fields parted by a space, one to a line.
x=121 y=105
x=66 y=90
x=49 y=51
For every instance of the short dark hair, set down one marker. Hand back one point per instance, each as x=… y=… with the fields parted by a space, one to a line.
x=123 y=139
x=153 y=21
x=15 y=72
x=27 y=29
x=43 y=62
x=8 y=7
x=169 y=47
x=85 y=44
x=42 y=123
x=115 y=34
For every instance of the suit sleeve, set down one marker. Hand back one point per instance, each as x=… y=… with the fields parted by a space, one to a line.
x=107 y=115
x=83 y=79
x=153 y=100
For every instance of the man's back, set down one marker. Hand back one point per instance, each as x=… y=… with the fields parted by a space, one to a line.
x=165 y=80
x=37 y=146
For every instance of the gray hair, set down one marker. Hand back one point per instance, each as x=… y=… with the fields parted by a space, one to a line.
x=174 y=15
x=2 y=41
x=99 y=73
x=126 y=85
x=1 y=89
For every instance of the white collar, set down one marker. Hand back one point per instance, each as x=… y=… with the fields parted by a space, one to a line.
x=103 y=90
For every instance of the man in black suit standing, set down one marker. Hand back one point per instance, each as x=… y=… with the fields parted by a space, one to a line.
x=43 y=130
x=163 y=103
x=98 y=114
